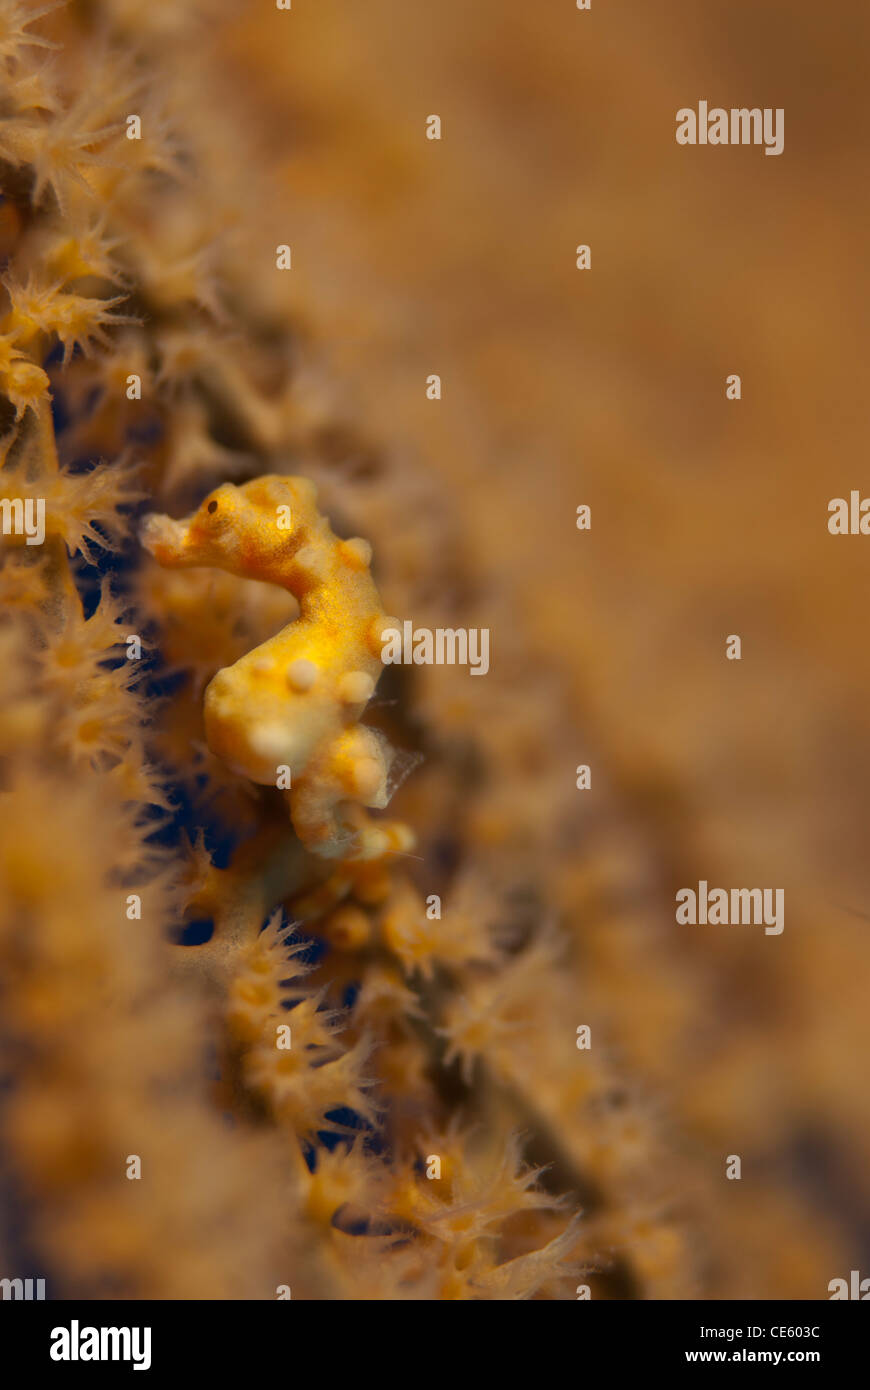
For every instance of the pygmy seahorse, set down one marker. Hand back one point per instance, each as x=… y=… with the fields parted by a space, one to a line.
x=291 y=707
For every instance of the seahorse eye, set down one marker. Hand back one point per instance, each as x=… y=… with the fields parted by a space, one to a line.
x=212 y=506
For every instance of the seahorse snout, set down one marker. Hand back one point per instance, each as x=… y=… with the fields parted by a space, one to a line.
x=167 y=540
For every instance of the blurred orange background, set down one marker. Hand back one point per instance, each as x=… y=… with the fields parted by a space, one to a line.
x=709 y=517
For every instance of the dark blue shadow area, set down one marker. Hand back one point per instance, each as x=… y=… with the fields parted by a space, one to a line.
x=194 y=932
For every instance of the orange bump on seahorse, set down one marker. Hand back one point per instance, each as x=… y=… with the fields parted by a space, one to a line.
x=296 y=701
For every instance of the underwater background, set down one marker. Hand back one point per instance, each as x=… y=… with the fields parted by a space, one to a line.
x=160 y=916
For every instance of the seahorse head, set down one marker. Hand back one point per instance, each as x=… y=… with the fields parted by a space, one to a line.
x=246 y=530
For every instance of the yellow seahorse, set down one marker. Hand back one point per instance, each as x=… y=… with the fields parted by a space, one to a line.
x=291 y=707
